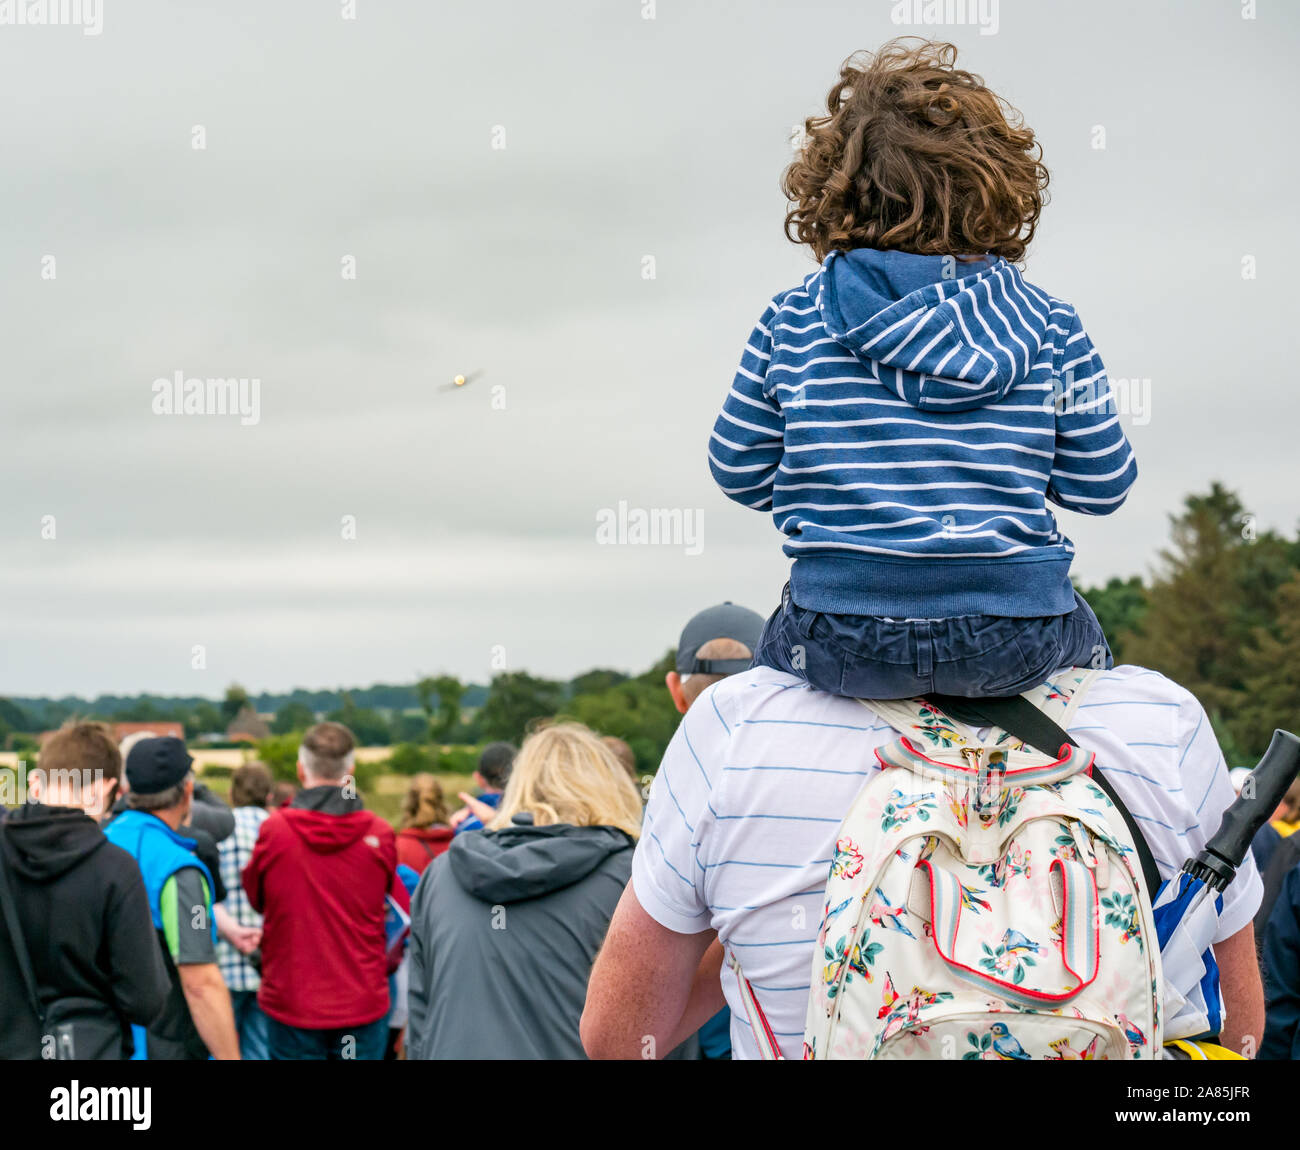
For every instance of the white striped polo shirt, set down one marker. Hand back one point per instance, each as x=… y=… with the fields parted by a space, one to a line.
x=742 y=817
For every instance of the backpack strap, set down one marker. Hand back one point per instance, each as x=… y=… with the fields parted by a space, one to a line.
x=1018 y=716
x=768 y=1048
x=10 y=910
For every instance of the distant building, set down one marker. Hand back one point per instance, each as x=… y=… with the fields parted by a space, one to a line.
x=120 y=731
x=248 y=727
x=157 y=730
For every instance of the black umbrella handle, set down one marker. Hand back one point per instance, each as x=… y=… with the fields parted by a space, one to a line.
x=1260 y=794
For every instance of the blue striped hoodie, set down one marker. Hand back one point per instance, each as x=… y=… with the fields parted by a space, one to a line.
x=907 y=419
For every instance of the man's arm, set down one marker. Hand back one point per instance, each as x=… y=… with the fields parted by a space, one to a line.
x=1243 y=992
x=473 y=809
x=649 y=982
x=244 y=939
x=209 y=1003
x=186 y=905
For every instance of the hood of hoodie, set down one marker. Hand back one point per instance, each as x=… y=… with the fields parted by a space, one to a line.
x=522 y=862
x=326 y=819
x=942 y=336
x=42 y=843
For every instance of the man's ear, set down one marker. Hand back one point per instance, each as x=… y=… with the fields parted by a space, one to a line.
x=480 y=781
x=674 y=683
x=302 y=775
x=110 y=788
x=35 y=785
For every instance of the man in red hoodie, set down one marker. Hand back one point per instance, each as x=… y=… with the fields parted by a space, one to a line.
x=319 y=875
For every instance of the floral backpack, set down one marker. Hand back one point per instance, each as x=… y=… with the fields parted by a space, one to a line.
x=985 y=901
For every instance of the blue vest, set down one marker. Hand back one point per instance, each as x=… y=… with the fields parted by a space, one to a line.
x=160 y=853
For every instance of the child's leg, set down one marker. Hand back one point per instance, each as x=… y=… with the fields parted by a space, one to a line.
x=1083 y=643
x=854 y=656
x=785 y=647
x=981 y=656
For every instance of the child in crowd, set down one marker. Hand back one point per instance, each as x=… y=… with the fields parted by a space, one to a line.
x=908 y=411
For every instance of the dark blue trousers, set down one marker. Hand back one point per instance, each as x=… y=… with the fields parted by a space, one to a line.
x=296 y=1044
x=861 y=657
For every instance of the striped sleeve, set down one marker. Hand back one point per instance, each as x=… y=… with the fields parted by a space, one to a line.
x=748 y=438
x=1094 y=466
x=667 y=869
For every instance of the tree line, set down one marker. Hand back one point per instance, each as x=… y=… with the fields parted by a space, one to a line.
x=1220 y=614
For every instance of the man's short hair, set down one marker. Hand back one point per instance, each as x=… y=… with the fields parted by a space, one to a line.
x=159 y=800
x=495 y=762
x=327 y=751
x=250 y=785
x=692 y=685
x=87 y=750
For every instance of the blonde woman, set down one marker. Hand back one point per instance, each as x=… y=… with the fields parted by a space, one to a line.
x=505 y=925
x=425 y=833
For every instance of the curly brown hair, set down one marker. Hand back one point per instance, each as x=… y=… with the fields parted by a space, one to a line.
x=915 y=155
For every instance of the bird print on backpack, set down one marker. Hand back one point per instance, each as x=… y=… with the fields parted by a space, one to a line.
x=887 y=916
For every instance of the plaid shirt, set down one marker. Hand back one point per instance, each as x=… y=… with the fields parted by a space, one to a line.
x=236 y=849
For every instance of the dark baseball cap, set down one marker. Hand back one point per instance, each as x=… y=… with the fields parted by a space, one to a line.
x=153 y=765
x=725 y=621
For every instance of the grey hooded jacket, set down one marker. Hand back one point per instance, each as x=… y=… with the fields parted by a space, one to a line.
x=504 y=929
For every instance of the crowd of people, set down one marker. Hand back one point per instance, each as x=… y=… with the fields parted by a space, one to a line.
x=292 y=923
x=295 y=924
x=906 y=414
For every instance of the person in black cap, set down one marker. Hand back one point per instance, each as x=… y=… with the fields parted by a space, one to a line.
x=211 y=820
x=197 y=1019
x=718 y=642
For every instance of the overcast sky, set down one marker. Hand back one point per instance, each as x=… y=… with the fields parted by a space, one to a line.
x=624 y=137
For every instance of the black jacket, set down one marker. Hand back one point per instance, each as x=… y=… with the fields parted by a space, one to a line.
x=1281 y=952
x=84 y=914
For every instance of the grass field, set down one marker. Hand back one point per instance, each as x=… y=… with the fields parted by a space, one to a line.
x=385 y=796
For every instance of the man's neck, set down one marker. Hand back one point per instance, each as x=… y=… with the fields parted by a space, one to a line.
x=174 y=817
x=63 y=801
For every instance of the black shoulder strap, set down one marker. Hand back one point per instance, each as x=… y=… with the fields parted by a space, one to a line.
x=10 y=910
x=1017 y=715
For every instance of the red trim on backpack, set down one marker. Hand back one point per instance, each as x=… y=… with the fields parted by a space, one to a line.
x=1064 y=754
x=1023 y=992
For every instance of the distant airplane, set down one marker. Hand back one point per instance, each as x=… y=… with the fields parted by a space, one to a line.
x=461 y=381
